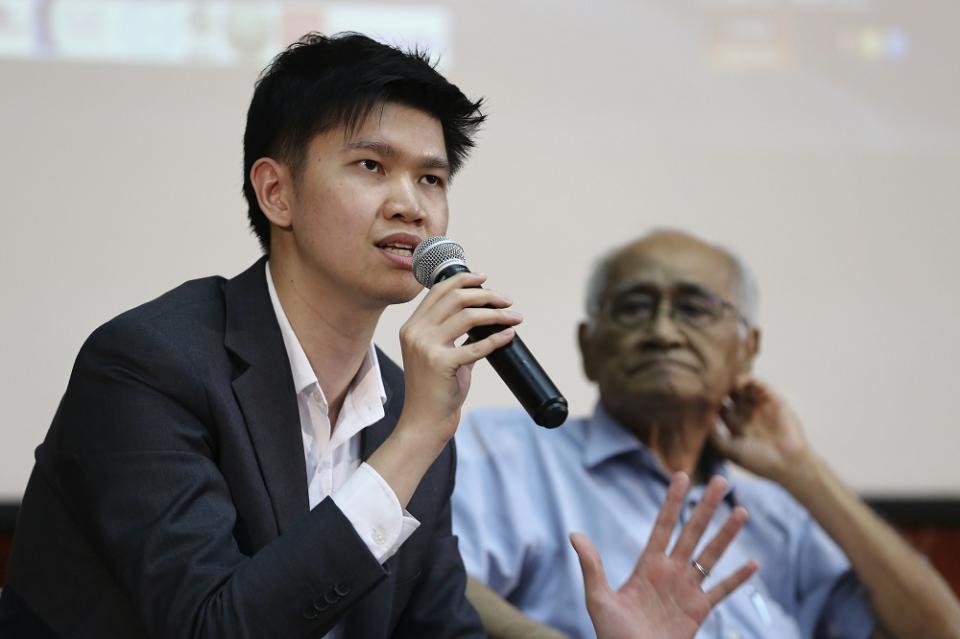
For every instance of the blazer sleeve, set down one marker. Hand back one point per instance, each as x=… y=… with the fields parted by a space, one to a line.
x=134 y=455
x=438 y=606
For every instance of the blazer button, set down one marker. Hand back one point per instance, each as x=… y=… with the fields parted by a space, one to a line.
x=342 y=589
x=331 y=597
x=319 y=605
x=310 y=613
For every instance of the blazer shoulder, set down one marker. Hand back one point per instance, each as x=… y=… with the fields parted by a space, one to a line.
x=194 y=299
x=180 y=316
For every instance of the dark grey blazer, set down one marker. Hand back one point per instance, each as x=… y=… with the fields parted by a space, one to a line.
x=169 y=498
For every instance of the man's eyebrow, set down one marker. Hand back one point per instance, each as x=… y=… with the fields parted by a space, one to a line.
x=378 y=147
x=434 y=162
x=383 y=149
x=633 y=287
x=682 y=287
x=692 y=288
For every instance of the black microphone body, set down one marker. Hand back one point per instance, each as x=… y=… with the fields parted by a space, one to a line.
x=518 y=368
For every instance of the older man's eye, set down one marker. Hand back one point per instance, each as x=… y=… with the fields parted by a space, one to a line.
x=637 y=308
x=696 y=308
x=370 y=165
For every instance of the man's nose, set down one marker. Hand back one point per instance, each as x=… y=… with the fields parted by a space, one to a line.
x=403 y=202
x=663 y=330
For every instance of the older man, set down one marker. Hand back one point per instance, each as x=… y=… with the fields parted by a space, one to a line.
x=670 y=340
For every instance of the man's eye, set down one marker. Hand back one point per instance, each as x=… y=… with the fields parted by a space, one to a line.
x=638 y=307
x=695 y=308
x=432 y=180
x=370 y=165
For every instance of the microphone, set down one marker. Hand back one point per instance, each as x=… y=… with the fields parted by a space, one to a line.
x=438 y=258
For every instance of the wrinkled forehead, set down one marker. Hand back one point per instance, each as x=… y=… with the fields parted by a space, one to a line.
x=666 y=265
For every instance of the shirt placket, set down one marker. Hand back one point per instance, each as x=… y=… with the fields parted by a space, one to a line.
x=320 y=421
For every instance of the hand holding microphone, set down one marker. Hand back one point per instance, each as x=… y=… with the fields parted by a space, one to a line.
x=439 y=258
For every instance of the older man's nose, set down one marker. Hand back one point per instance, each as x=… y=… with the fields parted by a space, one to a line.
x=663 y=331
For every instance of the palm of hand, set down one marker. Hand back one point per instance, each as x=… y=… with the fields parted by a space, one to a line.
x=661 y=599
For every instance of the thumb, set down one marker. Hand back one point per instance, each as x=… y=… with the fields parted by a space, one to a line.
x=724 y=441
x=594 y=579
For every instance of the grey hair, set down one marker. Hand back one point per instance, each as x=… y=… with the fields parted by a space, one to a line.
x=746 y=291
x=597 y=282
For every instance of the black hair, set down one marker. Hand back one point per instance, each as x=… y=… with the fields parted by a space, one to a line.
x=323 y=82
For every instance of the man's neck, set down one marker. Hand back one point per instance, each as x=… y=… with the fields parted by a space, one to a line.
x=335 y=335
x=677 y=438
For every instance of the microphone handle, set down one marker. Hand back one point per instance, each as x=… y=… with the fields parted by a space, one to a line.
x=520 y=370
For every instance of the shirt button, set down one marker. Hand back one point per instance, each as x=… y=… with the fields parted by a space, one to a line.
x=732 y=634
x=378 y=537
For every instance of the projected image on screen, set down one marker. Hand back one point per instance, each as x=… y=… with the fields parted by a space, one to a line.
x=804 y=75
x=198 y=32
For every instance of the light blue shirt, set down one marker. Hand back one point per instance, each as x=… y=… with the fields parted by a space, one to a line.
x=522 y=489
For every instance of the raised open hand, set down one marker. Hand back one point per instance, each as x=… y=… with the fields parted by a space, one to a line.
x=663 y=598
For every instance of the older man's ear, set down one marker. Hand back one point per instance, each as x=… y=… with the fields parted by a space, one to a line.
x=587 y=358
x=750 y=348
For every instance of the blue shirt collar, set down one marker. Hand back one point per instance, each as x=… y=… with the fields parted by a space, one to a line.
x=606 y=439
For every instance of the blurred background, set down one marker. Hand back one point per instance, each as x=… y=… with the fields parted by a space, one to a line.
x=819 y=139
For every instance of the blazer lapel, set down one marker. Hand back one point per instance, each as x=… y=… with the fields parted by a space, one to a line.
x=265 y=392
x=268 y=400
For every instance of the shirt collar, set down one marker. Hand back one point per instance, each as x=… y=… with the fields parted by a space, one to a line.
x=368 y=377
x=606 y=439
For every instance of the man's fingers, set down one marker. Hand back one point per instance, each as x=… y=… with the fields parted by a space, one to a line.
x=470 y=318
x=471 y=352
x=716 y=594
x=742 y=403
x=437 y=293
x=667 y=518
x=726 y=443
x=701 y=516
x=455 y=294
x=730 y=416
x=594 y=579
x=458 y=293
x=715 y=548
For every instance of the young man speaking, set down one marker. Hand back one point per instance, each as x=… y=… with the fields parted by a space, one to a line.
x=236 y=458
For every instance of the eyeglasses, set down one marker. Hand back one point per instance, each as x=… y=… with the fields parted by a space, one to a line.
x=690 y=306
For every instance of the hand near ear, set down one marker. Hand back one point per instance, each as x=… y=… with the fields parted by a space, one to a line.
x=760 y=432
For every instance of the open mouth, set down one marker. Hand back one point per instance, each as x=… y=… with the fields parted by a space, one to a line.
x=398 y=248
x=403 y=250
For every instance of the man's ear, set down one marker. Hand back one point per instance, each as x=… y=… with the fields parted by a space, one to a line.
x=584 y=338
x=749 y=348
x=274 y=187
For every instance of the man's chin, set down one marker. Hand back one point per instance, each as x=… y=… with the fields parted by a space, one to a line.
x=672 y=388
x=668 y=403
x=399 y=294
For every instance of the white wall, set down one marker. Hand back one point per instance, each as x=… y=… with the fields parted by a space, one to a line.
x=777 y=128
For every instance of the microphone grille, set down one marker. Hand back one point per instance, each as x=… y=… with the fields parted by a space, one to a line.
x=431 y=253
